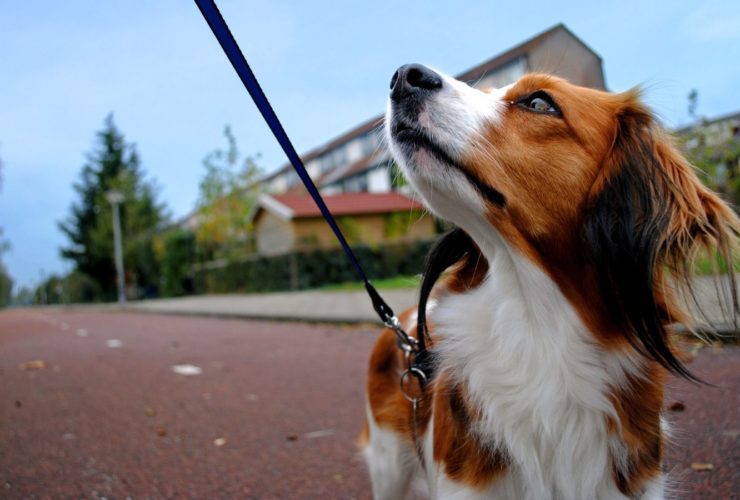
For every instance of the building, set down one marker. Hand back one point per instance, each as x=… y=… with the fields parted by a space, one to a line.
x=288 y=222
x=356 y=161
x=714 y=146
x=717 y=131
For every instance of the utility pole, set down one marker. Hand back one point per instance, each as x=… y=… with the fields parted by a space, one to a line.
x=116 y=198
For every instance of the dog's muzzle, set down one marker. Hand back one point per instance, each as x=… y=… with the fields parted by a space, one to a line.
x=411 y=86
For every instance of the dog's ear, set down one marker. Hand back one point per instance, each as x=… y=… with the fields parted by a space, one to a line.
x=648 y=217
x=451 y=248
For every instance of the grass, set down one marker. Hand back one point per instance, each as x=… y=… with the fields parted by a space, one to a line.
x=709 y=264
x=395 y=283
x=703 y=265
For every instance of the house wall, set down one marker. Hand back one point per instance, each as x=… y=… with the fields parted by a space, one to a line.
x=274 y=235
x=314 y=232
x=563 y=55
x=506 y=74
x=379 y=180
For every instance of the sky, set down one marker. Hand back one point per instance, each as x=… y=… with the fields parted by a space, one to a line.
x=325 y=66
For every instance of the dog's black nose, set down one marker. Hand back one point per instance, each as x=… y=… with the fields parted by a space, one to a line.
x=414 y=79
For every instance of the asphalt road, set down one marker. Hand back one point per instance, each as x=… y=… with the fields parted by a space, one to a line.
x=90 y=407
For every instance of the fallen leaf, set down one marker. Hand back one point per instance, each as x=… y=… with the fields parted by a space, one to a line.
x=219 y=442
x=702 y=467
x=292 y=436
x=161 y=432
x=18 y=404
x=338 y=478
x=36 y=364
x=252 y=397
x=677 y=406
x=150 y=412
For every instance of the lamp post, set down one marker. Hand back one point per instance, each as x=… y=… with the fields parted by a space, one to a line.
x=116 y=198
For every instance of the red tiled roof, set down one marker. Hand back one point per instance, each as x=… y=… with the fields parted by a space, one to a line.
x=348 y=204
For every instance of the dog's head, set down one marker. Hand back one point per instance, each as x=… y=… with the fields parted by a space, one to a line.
x=582 y=182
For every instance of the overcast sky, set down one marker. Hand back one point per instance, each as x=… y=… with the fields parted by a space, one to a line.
x=325 y=65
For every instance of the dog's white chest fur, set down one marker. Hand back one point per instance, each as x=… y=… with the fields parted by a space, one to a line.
x=541 y=383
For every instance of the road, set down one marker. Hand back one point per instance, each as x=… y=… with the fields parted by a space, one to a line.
x=90 y=407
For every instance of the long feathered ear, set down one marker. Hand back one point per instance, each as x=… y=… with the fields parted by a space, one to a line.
x=649 y=216
x=451 y=248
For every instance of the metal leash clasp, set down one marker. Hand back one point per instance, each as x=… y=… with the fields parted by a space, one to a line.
x=406 y=342
x=410 y=347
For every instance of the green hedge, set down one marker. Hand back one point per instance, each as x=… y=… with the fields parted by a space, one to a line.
x=310 y=269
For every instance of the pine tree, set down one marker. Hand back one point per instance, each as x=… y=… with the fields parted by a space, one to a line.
x=113 y=165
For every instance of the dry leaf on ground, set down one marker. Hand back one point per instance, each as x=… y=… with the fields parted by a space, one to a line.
x=677 y=406
x=36 y=364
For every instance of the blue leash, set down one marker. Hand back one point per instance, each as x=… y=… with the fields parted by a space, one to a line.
x=231 y=48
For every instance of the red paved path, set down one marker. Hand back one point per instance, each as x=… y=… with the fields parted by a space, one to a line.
x=102 y=421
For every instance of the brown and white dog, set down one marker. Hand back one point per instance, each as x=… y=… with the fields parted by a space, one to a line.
x=577 y=224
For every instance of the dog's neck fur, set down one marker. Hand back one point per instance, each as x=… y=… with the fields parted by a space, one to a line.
x=539 y=378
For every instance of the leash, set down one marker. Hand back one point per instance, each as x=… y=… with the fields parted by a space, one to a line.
x=418 y=365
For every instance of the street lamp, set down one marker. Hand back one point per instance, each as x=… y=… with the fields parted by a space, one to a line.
x=116 y=198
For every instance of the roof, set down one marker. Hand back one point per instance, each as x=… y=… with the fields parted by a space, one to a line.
x=301 y=206
x=468 y=75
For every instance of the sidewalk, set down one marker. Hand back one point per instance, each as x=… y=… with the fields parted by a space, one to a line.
x=312 y=305
x=342 y=306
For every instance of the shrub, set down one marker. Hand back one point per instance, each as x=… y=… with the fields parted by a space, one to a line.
x=309 y=269
x=178 y=252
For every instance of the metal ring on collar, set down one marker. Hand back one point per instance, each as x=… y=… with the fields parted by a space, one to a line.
x=416 y=373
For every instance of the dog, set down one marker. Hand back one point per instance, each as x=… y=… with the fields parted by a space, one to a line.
x=576 y=221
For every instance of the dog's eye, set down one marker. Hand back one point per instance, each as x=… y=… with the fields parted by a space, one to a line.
x=541 y=105
x=540 y=102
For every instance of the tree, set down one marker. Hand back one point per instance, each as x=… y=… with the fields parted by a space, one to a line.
x=228 y=191
x=6 y=286
x=714 y=148
x=176 y=253
x=6 y=282
x=113 y=164
x=23 y=297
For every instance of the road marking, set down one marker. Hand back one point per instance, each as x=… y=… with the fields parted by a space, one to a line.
x=114 y=343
